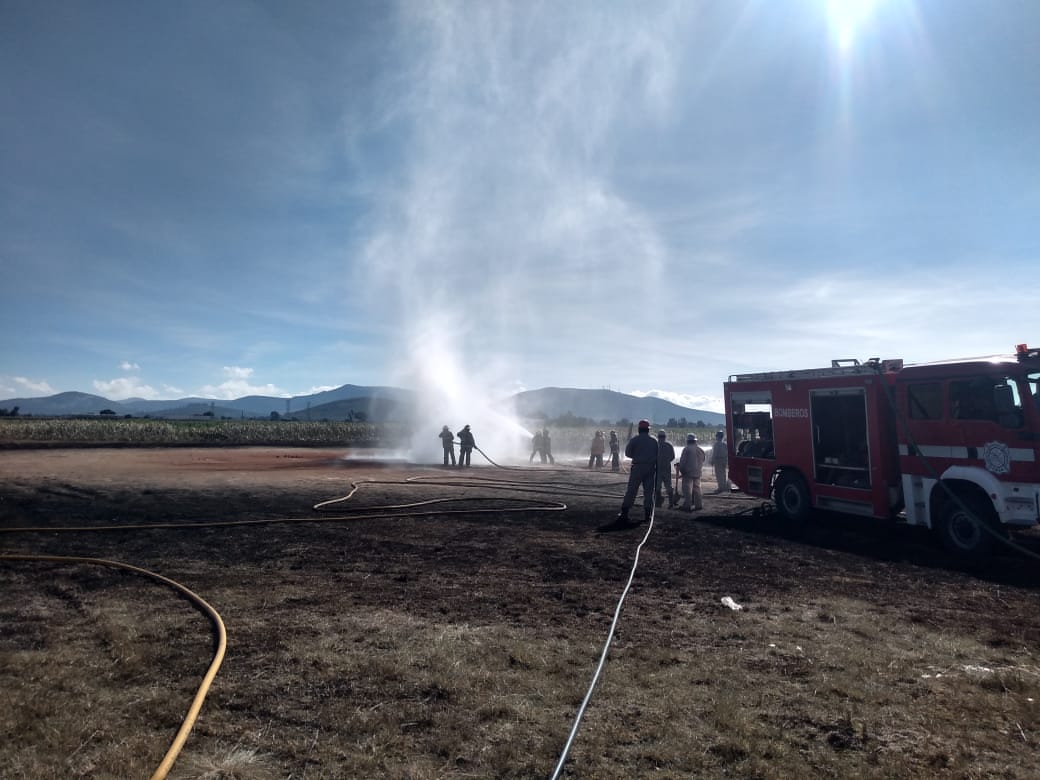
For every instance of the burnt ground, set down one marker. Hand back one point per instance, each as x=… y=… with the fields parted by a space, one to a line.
x=859 y=650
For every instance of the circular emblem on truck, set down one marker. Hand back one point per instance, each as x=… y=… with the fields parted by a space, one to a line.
x=997 y=457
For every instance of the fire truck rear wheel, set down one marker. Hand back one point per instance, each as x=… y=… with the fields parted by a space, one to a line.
x=792 y=497
x=961 y=531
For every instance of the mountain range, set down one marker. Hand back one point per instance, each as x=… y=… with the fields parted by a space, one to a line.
x=355 y=402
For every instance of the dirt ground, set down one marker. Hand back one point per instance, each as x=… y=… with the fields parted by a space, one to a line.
x=447 y=623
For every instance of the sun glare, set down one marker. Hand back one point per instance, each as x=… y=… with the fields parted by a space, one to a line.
x=846 y=17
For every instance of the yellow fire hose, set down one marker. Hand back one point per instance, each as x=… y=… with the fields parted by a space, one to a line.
x=218 y=656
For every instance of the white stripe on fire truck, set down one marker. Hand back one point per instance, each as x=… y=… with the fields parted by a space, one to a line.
x=1022 y=454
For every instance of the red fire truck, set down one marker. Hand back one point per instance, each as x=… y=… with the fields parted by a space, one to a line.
x=953 y=446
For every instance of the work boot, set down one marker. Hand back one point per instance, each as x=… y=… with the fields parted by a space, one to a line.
x=621 y=522
x=647 y=513
x=673 y=501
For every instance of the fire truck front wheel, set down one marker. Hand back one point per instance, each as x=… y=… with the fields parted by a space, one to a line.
x=792 y=497
x=968 y=528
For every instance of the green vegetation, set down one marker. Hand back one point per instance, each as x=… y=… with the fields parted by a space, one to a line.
x=25 y=431
x=144 y=432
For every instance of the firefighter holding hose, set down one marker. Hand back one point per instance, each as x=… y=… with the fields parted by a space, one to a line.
x=466 y=445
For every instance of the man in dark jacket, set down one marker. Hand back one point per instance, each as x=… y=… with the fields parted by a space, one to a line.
x=536 y=447
x=547 y=447
x=642 y=449
x=665 y=456
x=466 y=445
x=448 y=441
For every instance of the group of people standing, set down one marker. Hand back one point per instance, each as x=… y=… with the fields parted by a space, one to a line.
x=466 y=445
x=652 y=471
x=651 y=466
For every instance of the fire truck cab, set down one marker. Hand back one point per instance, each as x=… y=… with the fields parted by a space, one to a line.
x=953 y=446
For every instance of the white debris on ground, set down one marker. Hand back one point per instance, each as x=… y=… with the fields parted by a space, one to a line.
x=971 y=670
x=729 y=602
x=980 y=671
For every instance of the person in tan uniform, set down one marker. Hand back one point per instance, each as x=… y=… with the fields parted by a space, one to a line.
x=691 y=462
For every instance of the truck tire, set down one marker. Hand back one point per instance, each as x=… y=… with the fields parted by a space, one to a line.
x=968 y=528
x=792 y=498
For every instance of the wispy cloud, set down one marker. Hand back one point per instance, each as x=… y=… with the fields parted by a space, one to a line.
x=707 y=403
x=237 y=384
x=20 y=385
x=121 y=388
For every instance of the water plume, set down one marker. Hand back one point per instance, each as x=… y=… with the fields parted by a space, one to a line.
x=503 y=237
x=451 y=392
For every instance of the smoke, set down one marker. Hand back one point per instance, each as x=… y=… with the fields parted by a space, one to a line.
x=504 y=235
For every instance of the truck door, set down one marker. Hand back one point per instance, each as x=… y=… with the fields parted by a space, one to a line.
x=840 y=453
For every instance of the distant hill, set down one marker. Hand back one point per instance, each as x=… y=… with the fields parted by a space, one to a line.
x=203 y=408
x=376 y=404
x=375 y=409
x=64 y=404
x=263 y=405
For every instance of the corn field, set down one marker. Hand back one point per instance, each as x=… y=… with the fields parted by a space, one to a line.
x=24 y=431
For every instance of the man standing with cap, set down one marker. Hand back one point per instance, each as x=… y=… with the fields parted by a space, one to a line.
x=665 y=456
x=691 y=461
x=642 y=449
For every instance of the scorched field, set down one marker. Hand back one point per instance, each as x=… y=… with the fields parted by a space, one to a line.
x=440 y=623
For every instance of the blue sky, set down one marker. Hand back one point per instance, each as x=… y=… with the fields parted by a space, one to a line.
x=221 y=199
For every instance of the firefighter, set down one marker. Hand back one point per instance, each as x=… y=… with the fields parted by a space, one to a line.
x=615 y=451
x=448 y=440
x=596 y=450
x=665 y=456
x=642 y=449
x=466 y=445
x=691 y=461
x=719 y=460
x=536 y=447
x=547 y=447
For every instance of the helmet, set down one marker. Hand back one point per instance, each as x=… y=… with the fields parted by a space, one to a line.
x=719 y=435
x=691 y=438
x=644 y=425
x=662 y=434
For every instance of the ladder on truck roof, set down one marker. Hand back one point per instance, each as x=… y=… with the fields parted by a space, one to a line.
x=841 y=367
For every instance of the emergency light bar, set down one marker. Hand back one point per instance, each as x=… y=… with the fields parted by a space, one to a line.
x=1023 y=353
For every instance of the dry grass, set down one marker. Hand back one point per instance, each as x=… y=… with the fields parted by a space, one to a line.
x=449 y=648
x=835 y=688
